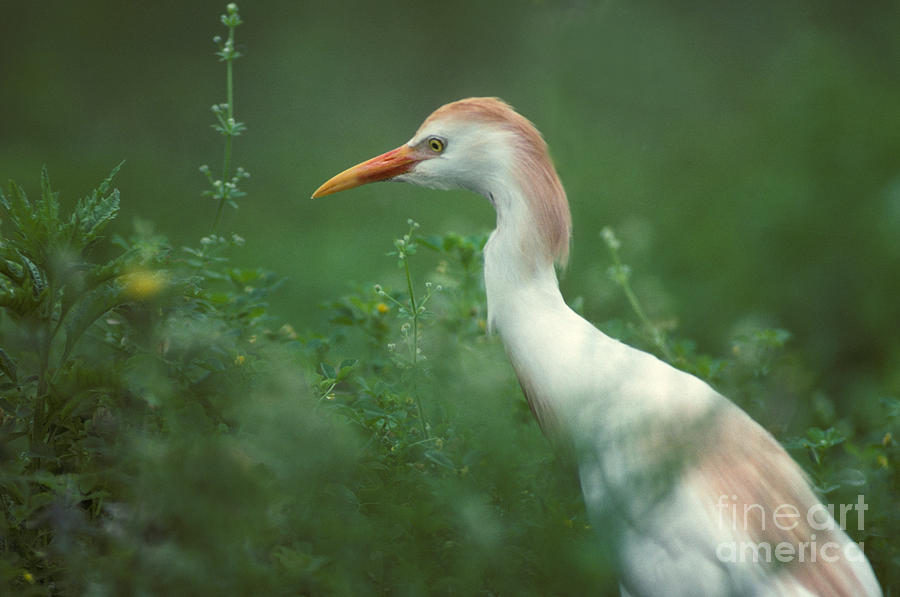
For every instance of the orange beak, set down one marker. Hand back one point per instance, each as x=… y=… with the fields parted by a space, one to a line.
x=387 y=165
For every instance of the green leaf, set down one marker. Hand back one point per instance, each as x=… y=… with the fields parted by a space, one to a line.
x=8 y=366
x=346 y=368
x=440 y=458
x=892 y=405
x=20 y=211
x=11 y=269
x=104 y=186
x=851 y=477
x=327 y=370
x=774 y=338
x=19 y=300
x=90 y=308
x=49 y=208
x=298 y=561
x=94 y=212
x=825 y=439
x=38 y=279
x=95 y=217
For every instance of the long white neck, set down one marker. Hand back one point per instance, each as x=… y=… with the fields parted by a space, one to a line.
x=519 y=273
x=572 y=374
x=527 y=310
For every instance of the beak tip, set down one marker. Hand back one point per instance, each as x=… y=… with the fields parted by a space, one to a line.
x=384 y=167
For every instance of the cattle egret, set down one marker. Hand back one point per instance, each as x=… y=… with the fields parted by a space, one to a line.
x=700 y=498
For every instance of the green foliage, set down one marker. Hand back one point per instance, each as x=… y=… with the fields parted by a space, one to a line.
x=161 y=432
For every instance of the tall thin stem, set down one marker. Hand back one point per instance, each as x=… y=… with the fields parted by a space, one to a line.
x=229 y=136
x=45 y=338
x=415 y=346
x=620 y=274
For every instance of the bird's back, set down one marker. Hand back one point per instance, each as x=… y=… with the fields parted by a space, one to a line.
x=695 y=491
x=688 y=483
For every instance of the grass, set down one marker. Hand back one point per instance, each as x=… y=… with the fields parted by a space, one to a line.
x=162 y=432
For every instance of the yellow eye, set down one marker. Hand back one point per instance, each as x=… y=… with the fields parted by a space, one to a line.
x=436 y=144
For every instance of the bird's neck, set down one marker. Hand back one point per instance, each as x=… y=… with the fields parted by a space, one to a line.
x=527 y=310
x=519 y=270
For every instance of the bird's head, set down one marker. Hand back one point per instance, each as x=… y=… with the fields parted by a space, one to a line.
x=480 y=144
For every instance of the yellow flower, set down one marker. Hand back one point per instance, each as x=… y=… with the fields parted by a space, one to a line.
x=382 y=308
x=29 y=577
x=144 y=284
x=240 y=360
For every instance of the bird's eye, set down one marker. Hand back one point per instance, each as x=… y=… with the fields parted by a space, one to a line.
x=436 y=144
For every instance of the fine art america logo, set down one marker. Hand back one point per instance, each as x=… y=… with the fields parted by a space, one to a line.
x=782 y=521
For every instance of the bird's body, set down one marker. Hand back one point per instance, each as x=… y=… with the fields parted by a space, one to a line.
x=687 y=484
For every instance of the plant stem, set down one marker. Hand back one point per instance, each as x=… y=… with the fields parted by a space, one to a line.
x=40 y=401
x=415 y=346
x=415 y=312
x=37 y=424
x=620 y=276
x=229 y=135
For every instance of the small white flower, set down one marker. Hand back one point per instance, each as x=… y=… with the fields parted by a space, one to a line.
x=609 y=237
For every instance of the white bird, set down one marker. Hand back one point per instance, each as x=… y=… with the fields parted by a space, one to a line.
x=702 y=499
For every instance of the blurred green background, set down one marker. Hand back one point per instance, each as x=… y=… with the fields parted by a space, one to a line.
x=747 y=154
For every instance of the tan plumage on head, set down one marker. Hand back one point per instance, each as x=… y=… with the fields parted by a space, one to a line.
x=533 y=168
